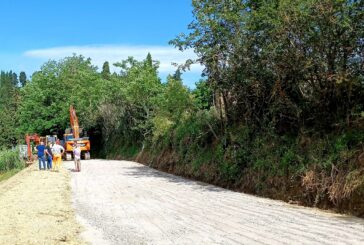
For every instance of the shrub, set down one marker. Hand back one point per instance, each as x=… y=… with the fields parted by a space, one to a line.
x=9 y=159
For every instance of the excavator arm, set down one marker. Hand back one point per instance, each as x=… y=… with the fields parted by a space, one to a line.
x=28 y=139
x=74 y=123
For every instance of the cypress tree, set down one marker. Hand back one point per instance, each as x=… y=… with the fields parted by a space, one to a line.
x=149 y=60
x=14 y=79
x=22 y=79
x=106 y=70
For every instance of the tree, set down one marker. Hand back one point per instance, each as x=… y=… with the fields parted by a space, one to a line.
x=274 y=62
x=14 y=79
x=7 y=89
x=106 y=70
x=22 y=79
x=132 y=106
x=149 y=60
x=45 y=101
x=8 y=127
x=175 y=100
x=203 y=95
x=8 y=109
x=177 y=75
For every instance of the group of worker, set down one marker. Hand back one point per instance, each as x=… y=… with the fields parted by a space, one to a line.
x=50 y=156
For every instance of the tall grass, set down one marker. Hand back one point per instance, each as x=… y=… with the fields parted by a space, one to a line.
x=9 y=159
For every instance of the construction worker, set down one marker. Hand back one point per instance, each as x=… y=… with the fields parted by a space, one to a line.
x=77 y=156
x=49 y=155
x=57 y=151
x=41 y=151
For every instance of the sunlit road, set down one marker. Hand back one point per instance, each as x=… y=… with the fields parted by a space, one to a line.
x=120 y=202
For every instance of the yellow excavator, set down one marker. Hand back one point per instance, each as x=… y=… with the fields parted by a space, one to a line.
x=72 y=137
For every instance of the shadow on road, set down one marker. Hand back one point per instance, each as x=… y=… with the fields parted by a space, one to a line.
x=144 y=171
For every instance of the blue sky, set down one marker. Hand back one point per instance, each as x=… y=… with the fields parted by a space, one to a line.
x=36 y=31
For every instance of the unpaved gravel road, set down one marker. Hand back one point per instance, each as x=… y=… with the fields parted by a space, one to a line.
x=122 y=202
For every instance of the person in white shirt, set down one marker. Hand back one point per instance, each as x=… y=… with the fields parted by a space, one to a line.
x=57 y=151
x=77 y=156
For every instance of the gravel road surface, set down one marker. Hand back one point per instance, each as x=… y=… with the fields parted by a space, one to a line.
x=120 y=202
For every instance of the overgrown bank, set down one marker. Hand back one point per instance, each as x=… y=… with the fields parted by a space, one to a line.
x=318 y=171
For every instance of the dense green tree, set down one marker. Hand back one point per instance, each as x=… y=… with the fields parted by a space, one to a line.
x=14 y=79
x=22 y=79
x=8 y=127
x=277 y=62
x=177 y=75
x=203 y=95
x=46 y=100
x=106 y=70
x=173 y=105
x=132 y=106
x=148 y=61
x=8 y=89
x=8 y=109
x=175 y=100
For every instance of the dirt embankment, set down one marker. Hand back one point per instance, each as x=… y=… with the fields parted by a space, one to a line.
x=289 y=189
x=35 y=208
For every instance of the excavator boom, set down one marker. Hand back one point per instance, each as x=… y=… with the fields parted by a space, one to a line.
x=74 y=123
x=28 y=139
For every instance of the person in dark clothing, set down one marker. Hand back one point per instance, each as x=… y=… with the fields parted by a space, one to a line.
x=49 y=155
x=41 y=151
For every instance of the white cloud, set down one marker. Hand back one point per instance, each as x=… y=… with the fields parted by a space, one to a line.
x=113 y=53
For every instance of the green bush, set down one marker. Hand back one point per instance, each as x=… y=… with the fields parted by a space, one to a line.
x=9 y=159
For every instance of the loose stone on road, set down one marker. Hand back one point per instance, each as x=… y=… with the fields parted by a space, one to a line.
x=120 y=202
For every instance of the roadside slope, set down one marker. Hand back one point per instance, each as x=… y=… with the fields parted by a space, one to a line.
x=35 y=208
x=121 y=202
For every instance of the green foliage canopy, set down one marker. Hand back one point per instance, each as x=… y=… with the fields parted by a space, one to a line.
x=294 y=64
x=46 y=100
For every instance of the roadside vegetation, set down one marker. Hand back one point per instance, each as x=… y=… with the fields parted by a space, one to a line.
x=10 y=163
x=279 y=113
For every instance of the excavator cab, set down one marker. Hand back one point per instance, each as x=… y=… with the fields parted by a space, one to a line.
x=68 y=143
x=49 y=139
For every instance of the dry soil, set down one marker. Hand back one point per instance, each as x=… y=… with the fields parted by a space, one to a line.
x=120 y=202
x=35 y=208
